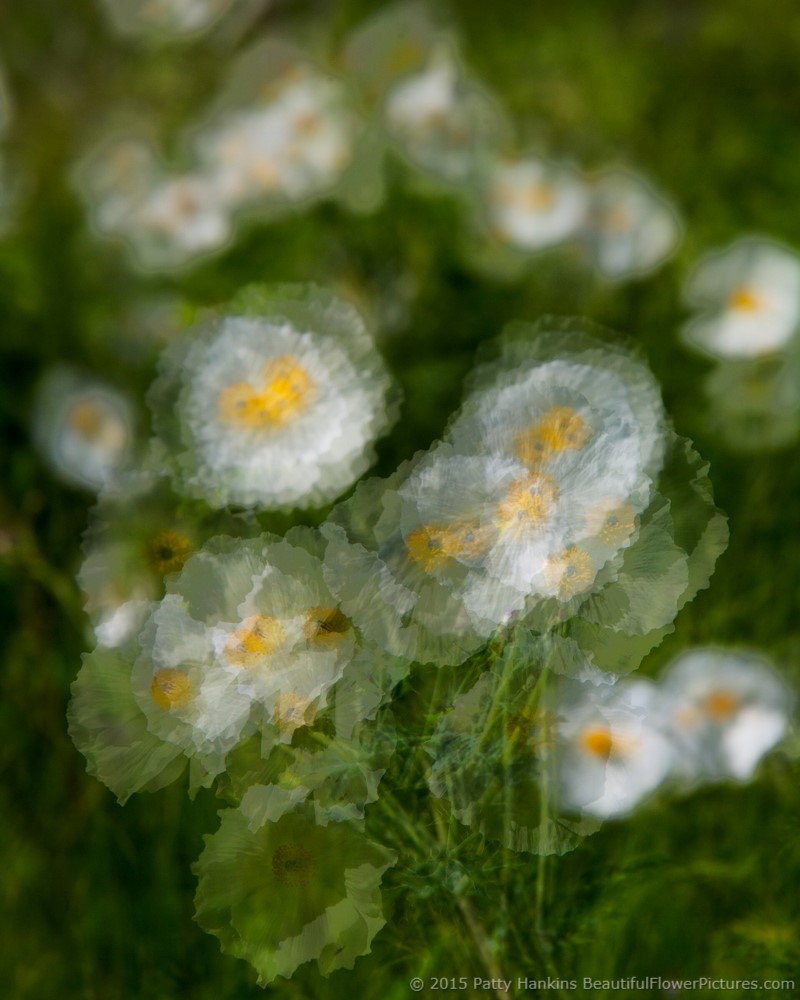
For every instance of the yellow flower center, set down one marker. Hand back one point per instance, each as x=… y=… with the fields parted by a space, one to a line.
x=560 y=429
x=570 y=572
x=287 y=391
x=168 y=551
x=612 y=522
x=292 y=865
x=720 y=705
x=254 y=641
x=529 y=503
x=597 y=741
x=86 y=419
x=433 y=546
x=743 y=300
x=170 y=688
x=325 y=626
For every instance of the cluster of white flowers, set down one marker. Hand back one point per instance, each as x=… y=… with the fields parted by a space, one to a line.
x=248 y=638
x=275 y=407
x=82 y=427
x=285 y=132
x=281 y=133
x=747 y=297
x=713 y=716
x=544 y=502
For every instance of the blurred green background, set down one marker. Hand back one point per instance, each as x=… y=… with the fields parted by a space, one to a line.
x=701 y=96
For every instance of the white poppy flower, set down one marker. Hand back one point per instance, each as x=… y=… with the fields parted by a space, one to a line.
x=278 y=409
x=749 y=297
x=611 y=751
x=727 y=709
x=178 y=219
x=83 y=428
x=630 y=229
x=533 y=205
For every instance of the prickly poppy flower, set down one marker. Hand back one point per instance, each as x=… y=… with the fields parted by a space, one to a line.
x=748 y=296
x=275 y=405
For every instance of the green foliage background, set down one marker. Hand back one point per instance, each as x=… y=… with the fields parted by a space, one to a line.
x=702 y=96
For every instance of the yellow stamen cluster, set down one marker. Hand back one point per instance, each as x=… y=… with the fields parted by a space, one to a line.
x=598 y=741
x=168 y=551
x=86 y=419
x=570 y=572
x=254 y=641
x=287 y=389
x=744 y=300
x=528 y=504
x=325 y=626
x=560 y=429
x=533 y=197
x=292 y=865
x=433 y=546
x=170 y=688
x=721 y=705
x=616 y=522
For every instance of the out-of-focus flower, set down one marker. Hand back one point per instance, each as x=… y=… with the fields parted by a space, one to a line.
x=612 y=751
x=169 y=18
x=291 y=891
x=630 y=229
x=726 y=710
x=250 y=622
x=581 y=427
x=276 y=405
x=166 y=220
x=442 y=121
x=282 y=133
x=533 y=205
x=385 y=584
x=749 y=298
x=82 y=427
x=139 y=533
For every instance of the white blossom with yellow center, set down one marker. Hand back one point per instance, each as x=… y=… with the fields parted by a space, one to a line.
x=631 y=230
x=83 y=428
x=277 y=415
x=748 y=296
x=534 y=205
x=726 y=710
x=610 y=747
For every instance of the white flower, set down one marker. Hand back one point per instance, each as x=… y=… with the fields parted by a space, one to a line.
x=291 y=144
x=630 y=228
x=533 y=205
x=749 y=297
x=440 y=119
x=178 y=219
x=276 y=410
x=83 y=427
x=727 y=709
x=171 y=17
x=611 y=750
